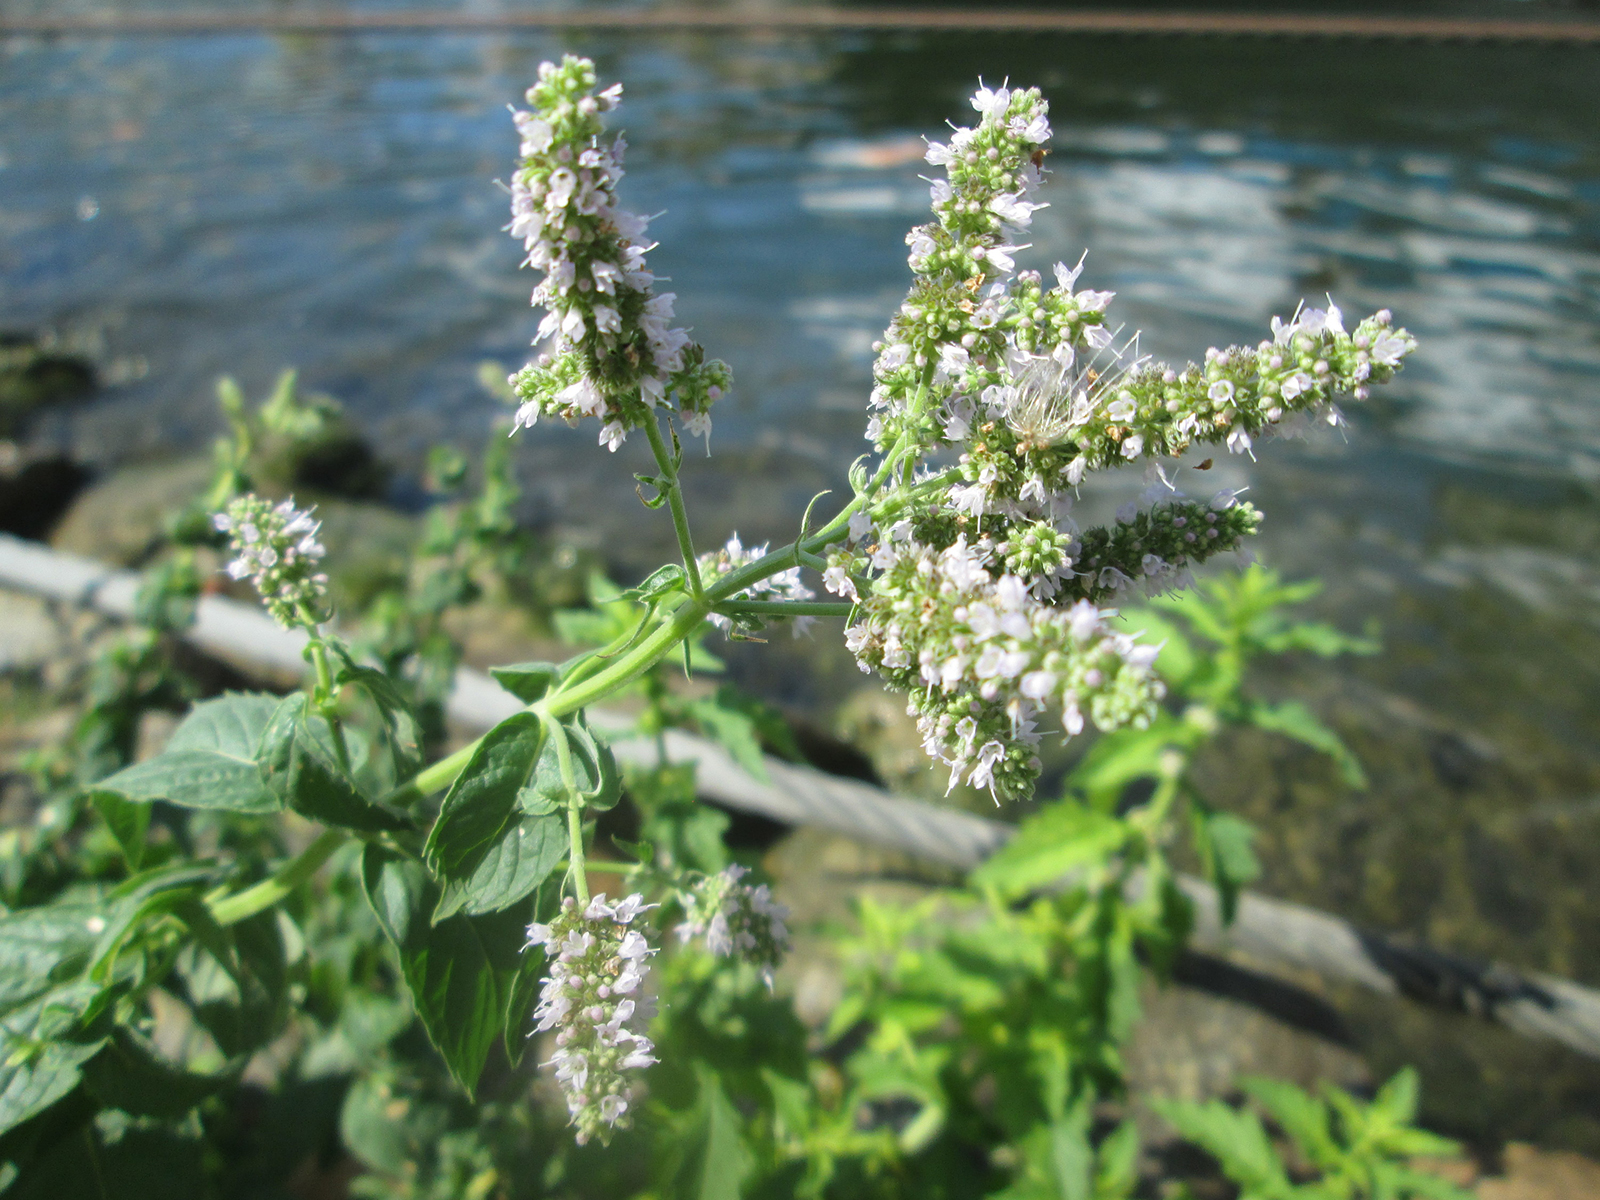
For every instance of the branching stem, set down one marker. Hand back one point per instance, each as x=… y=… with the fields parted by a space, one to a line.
x=680 y=518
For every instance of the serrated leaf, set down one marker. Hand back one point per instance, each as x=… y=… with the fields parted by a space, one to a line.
x=196 y=779
x=527 y=681
x=395 y=888
x=210 y=762
x=37 y=1068
x=482 y=801
x=459 y=972
x=511 y=869
x=316 y=788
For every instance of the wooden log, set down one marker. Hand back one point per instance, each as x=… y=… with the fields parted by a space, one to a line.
x=1270 y=934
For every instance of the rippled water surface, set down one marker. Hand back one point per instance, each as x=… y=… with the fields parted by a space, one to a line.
x=192 y=206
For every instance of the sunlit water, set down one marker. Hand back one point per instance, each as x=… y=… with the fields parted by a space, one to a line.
x=190 y=207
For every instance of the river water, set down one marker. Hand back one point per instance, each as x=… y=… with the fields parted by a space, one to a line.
x=185 y=207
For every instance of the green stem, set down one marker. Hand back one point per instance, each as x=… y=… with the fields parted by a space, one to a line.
x=433 y=779
x=575 y=864
x=680 y=518
x=786 y=608
x=324 y=697
x=229 y=910
x=583 y=690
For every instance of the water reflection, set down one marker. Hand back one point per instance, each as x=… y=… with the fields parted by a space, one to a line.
x=194 y=206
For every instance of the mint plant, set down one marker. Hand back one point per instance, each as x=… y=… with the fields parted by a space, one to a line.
x=320 y=870
x=1341 y=1148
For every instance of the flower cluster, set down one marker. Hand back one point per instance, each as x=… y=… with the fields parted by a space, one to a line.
x=597 y=964
x=275 y=547
x=784 y=585
x=737 y=919
x=615 y=354
x=976 y=592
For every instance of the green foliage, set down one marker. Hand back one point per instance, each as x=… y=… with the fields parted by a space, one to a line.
x=174 y=923
x=1339 y=1148
x=1209 y=636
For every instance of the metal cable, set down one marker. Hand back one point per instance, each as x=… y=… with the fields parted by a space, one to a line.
x=1270 y=934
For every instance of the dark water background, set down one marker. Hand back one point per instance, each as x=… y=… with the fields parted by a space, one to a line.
x=185 y=207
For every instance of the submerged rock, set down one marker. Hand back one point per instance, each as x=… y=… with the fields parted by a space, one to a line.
x=33 y=378
x=35 y=489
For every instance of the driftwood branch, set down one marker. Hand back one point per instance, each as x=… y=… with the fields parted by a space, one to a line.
x=1271 y=934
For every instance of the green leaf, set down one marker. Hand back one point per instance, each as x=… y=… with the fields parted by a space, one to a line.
x=210 y=761
x=689 y=833
x=146 y=896
x=1117 y=759
x=1118 y=1157
x=527 y=681
x=38 y=1067
x=315 y=787
x=594 y=772
x=1295 y=720
x=118 y=1157
x=129 y=1074
x=1235 y=1139
x=396 y=888
x=1070 y=1155
x=482 y=800
x=526 y=984
x=196 y=779
x=583 y=627
x=232 y=724
x=1049 y=845
x=661 y=581
x=236 y=978
x=1396 y=1100
x=399 y=722
x=460 y=972
x=127 y=821
x=1303 y=1117
x=511 y=869
x=718 y=1161
x=45 y=946
x=1223 y=841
